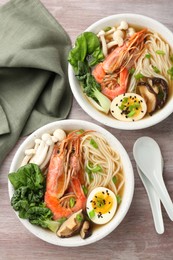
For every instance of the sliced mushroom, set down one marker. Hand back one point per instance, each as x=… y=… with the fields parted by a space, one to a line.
x=163 y=90
x=86 y=230
x=71 y=226
x=149 y=95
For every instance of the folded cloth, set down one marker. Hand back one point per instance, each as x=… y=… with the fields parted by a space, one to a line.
x=34 y=88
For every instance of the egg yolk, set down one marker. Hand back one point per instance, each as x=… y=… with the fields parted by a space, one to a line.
x=102 y=202
x=131 y=106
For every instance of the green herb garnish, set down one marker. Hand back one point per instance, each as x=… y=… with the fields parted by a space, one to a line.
x=160 y=52
x=170 y=72
x=138 y=76
x=119 y=199
x=85 y=190
x=93 y=143
x=106 y=29
x=89 y=172
x=131 y=71
x=81 y=131
x=79 y=217
x=114 y=179
x=171 y=58
x=156 y=69
x=132 y=113
x=72 y=202
x=92 y=214
x=148 y=56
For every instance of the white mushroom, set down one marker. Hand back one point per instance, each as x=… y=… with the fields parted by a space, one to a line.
x=119 y=41
x=28 y=155
x=130 y=31
x=48 y=156
x=123 y=25
x=58 y=135
x=38 y=158
x=118 y=33
x=26 y=160
x=30 y=152
x=101 y=35
x=47 y=138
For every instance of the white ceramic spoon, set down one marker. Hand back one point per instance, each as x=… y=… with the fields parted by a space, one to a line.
x=148 y=157
x=154 y=202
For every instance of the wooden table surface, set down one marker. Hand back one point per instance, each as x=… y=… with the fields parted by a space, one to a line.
x=135 y=238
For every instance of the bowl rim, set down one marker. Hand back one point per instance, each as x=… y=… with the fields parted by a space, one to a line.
x=46 y=235
x=101 y=117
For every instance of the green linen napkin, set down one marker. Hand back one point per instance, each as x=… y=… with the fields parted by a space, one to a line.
x=34 y=88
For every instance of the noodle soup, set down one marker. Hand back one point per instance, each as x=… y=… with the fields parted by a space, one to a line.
x=126 y=75
x=92 y=187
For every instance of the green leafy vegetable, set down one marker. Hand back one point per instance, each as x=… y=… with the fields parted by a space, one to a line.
x=87 y=48
x=160 y=52
x=87 y=53
x=28 y=197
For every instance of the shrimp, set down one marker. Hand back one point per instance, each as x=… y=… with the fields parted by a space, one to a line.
x=61 y=207
x=112 y=73
x=65 y=178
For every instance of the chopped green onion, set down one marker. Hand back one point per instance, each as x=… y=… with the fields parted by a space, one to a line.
x=92 y=168
x=106 y=29
x=92 y=214
x=79 y=217
x=138 y=76
x=93 y=143
x=148 y=56
x=121 y=107
x=80 y=132
x=125 y=100
x=85 y=190
x=170 y=72
x=118 y=199
x=132 y=113
x=160 y=52
x=114 y=179
x=61 y=220
x=156 y=69
x=131 y=71
x=89 y=172
x=72 y=202
x=171 y=58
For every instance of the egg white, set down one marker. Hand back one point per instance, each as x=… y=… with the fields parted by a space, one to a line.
x=105 y=217
x=117 y=112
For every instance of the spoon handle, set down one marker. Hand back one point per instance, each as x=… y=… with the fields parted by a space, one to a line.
x=154 y=203
x=162 y=192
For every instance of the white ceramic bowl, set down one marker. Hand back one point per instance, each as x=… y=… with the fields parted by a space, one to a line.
x=85 y=104
x=104 y=230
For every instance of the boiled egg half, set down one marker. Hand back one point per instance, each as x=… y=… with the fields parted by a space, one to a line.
x=128 y=107
x=101 y=205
